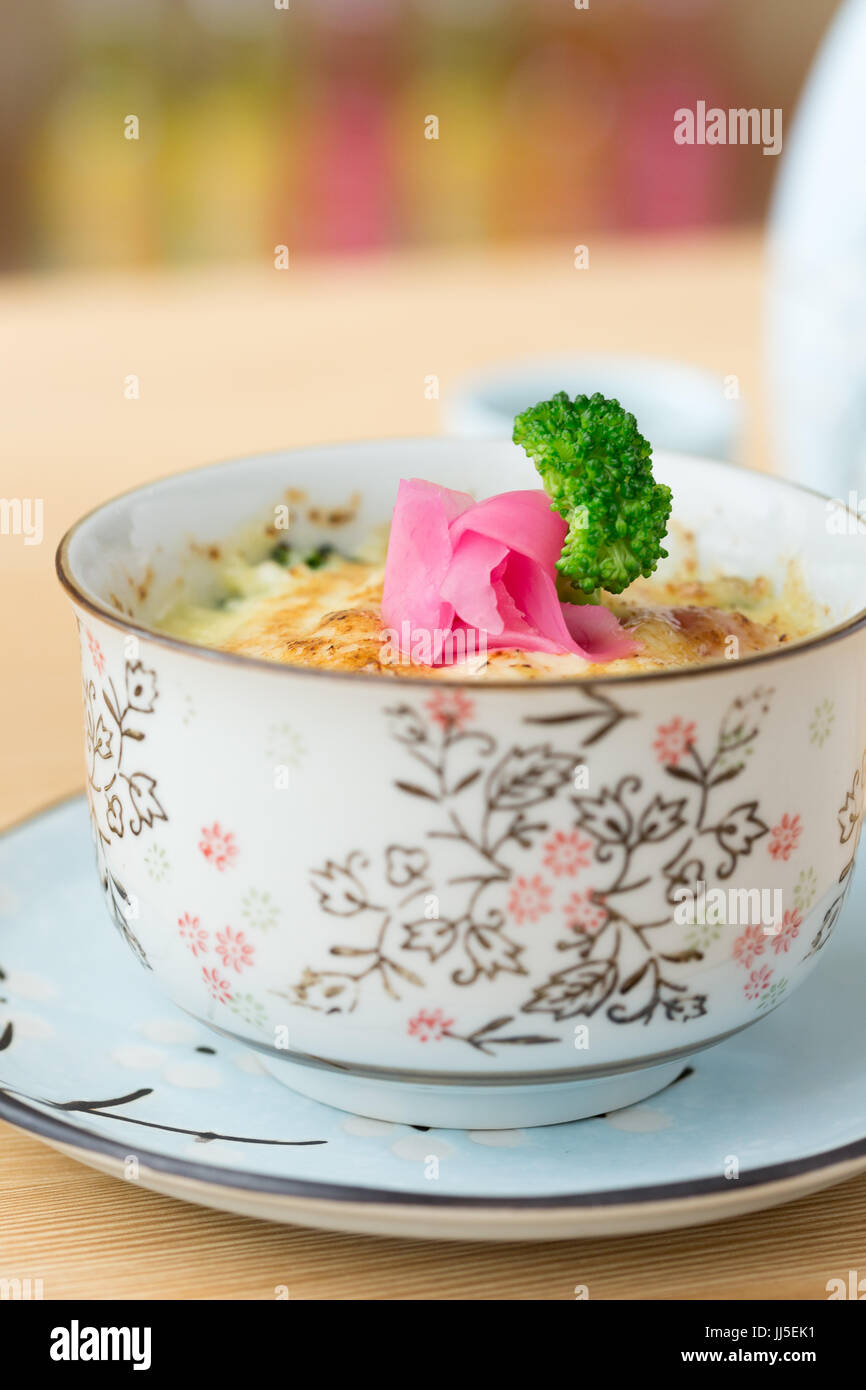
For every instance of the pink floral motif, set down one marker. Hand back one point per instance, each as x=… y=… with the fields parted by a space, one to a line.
x=530 y=898
x=785 y=837
x=674 y=740
x=429 y=1026
x=450 y=709
x=567 y=854
x=193 y=933
x=758 y=981
x=787 y=933
x=585 y=912
x=95 y=651
x=218 y=845
x=219 y=988
x=234 y=950
x=750 y=945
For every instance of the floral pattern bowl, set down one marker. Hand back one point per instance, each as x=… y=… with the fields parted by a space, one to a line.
x=466 y=903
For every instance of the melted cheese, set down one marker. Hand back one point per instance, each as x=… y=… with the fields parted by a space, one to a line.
x=329 y=617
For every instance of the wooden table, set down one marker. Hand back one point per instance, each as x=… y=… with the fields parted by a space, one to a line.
x=235 y=360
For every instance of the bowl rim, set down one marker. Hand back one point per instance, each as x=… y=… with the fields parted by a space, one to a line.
x=478 y=388
x=112 y=618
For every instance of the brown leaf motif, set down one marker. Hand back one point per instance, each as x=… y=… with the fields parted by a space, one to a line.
x=405 y=866
x=140 y=687
x=851 y=810
x=144 y=801
x=490 y=952
x=582 y=989
x=114 y=816
x=625 y=957
x=102 y=739
x=435 y=936
x=605 y=817
x=340 y=891
x=527 y=776
x=739 y=830
x=661 y=819
x=679 y=1008
x=407 y=725
x=119 y=801
x=329 y=994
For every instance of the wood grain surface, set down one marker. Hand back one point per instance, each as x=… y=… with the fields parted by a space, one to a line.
x=237 y=360
x=86 y=1235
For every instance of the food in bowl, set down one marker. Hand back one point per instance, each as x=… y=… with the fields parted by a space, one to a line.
x=458 y=568
x=487 y=902
x=330 y=615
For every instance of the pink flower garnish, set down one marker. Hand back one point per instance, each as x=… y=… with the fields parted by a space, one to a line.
x=487 y=568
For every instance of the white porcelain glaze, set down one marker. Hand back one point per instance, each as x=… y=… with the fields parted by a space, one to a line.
x=679 y=406
x=389 y=877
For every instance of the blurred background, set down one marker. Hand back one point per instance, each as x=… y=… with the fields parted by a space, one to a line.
x=300 y=125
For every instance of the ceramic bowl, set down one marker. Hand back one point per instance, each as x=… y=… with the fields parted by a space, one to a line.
x=680 y=407
x=456 y=903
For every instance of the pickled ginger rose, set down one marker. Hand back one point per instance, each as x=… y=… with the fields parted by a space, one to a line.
x=464 y=577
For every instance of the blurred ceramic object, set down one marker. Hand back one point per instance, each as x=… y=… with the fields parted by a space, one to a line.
x=817 y=300
x=678 y=407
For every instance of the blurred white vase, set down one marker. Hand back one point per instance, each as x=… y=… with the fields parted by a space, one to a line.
x=816 y=321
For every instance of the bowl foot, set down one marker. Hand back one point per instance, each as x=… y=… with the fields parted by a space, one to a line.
x=455 y=1106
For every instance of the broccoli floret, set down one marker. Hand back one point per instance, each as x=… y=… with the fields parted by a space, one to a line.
x=281 y=554
x=317 y=557
x=596 y=470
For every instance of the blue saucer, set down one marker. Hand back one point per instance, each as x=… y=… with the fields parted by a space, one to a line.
x=95 y=1061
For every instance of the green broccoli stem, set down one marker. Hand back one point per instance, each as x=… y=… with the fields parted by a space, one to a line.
x=570 y=593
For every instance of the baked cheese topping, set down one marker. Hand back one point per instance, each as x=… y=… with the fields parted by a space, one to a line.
x=328 y=616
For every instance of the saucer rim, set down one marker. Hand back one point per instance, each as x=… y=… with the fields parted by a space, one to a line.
x=29 y=1118
x=53 y=1130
